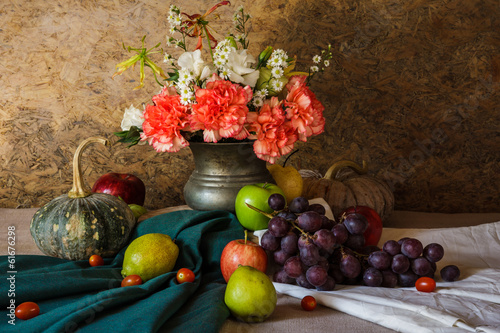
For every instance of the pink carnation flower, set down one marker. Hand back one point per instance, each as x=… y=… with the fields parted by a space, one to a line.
x=164 y=121
x=303 y=108
x=274 y=135
x=221 y=110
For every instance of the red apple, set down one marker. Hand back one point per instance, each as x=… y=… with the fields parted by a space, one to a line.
x=242 y=252
x=374 y=230
x=126 y=186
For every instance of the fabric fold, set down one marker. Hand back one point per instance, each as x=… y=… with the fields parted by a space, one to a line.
x=74 y=296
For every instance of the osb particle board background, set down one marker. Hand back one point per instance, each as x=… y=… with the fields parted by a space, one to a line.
x=413 y=90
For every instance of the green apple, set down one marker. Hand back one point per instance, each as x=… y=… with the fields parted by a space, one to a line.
x=257 y=196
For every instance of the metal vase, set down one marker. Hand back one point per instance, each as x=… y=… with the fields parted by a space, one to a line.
x=221 y=170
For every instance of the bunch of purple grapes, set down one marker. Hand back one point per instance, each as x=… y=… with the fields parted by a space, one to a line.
x=314 y=251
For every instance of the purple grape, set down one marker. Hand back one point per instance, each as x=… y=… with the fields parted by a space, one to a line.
x=372 y=277
x=324 y=239
x=431 y=274
x=302 y=281
x=369 y=249
x=280 y=276
x=309 y=254
x=278 y=226
x=355 y=242
x=276 y=201
x=420 y=266
x=380 y=260
x=318 y=208
x=407 y=279
x=433 y=252
x=304 y=240
x=309 y=221
x=316 y=275
x=390 y=279
x=329 y=285
x=412 y=248
x=350 y=266
x=400 y=263
x=323 y=262
x=289 y=243
x=289 y=216
x=355 y=223
x=400 y=242
x=299 y=205
x=269 y=242
x=341 y=233
x=336 y=274
x=433 y=266
x=293 y=267
x=392 y=247
x=280 y=257
x=326 y=223
x=450 y=273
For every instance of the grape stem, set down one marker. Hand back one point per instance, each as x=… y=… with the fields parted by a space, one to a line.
x=258 y=210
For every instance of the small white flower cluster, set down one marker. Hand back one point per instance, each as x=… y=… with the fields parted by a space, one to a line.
x=184 y=86
x=278 y=62
x=175 y=20
x=221 y=58
x=325 y=58
x=239 y=19
x=258 y=97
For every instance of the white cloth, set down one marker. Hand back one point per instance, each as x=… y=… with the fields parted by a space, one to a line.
x=471 y=304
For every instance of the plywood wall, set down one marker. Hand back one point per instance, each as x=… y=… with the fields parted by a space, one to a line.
x=413 y=90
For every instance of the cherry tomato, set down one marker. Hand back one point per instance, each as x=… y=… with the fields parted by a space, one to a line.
x=96 y=260
x=425 y=284
x=27 y=310
x=185 y=275
x=308 y=303
x=131 y=280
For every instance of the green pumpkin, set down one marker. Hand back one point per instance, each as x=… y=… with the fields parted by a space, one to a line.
x=81 y=223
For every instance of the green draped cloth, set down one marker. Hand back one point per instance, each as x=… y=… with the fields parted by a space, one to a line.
x=75 y=297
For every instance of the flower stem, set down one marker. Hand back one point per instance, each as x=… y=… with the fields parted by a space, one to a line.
x=208 y=40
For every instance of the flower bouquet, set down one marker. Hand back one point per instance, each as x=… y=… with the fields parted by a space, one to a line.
x=233 y=96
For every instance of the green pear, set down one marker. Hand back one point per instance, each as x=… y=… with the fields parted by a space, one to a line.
x=250 y=295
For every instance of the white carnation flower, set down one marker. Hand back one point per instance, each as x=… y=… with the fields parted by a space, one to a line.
x=132 y=117
x=193 y=62
x=239 y=66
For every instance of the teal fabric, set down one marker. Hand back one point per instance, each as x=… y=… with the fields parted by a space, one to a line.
x=75 y=297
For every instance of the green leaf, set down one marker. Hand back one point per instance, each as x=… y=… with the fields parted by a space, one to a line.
x=132 y=136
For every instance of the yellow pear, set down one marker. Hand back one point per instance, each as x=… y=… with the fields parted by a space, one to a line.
x=288 y=179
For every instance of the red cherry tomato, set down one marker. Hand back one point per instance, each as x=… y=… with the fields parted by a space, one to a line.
x=425 y=284
x=374 y=230
x=27 y=310
x=308 y=303
x=131 y=280
x=96 y=260
x=185 y=275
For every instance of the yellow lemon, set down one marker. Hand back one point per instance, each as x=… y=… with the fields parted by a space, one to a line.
x=288 y=179
x=149 y=256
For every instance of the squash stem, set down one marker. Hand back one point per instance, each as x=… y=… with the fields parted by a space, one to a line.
x=334 y=169
x=79 y=189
